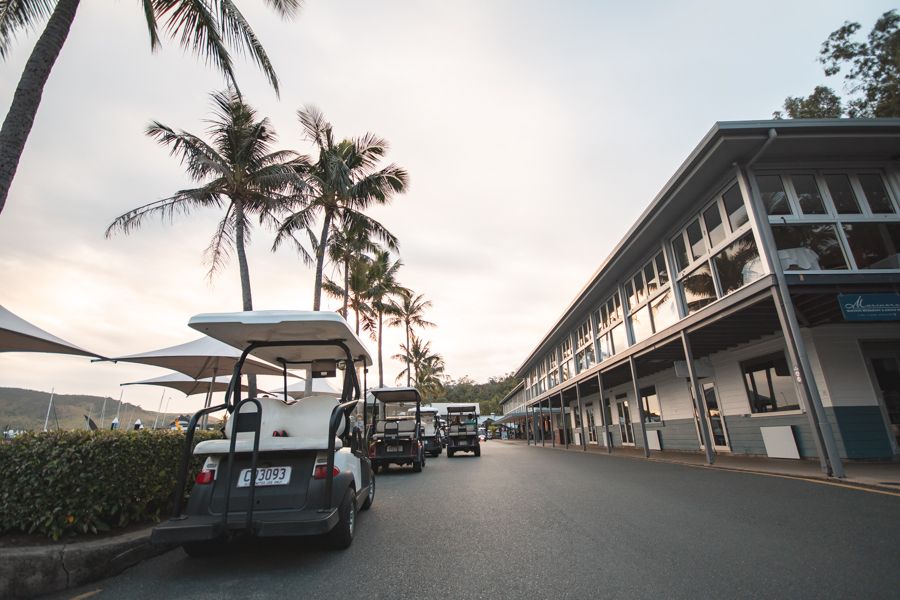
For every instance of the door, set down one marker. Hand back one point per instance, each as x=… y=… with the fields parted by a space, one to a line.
x=714 y=418
x=624 y=415
x=884 y=368
x=591 y=425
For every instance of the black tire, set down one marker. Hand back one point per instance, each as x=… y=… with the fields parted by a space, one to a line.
x=477 y=450
x=370 y=497
x=341 y=536
x=376 y=468
x=202 y=549
x=450 y=453
x=417 y=466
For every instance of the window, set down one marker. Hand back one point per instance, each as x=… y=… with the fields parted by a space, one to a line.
x=611 y=331
x=876 y=195
x=695 y=240
x=770 y=387
x=664 y=310
x=699 y=288
x=733 y=202
x=715 y=229
x=874 y=245
x=842 y=194
x=681 y=257
x=738 y=264
x=640 y=324
x=568 y=366
x=650 y=278
x=808 y=247
x=771 y=190
x=584 y=357
x=650 y=403
x=808 y=195
x=661 y=271
x=619 y=338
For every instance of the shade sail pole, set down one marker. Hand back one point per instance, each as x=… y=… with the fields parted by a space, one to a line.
x=49 y=406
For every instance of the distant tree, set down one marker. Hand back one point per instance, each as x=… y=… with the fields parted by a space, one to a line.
x=206 y=27
x=353 y=238
x=238 y=171
x=872 y=77
x=355 y=289
x=823 y=103
x=383 y=287
x=409 y=312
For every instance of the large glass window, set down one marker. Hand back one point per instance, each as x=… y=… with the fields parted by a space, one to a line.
x=661 y=270
x=774 y=198
x=808 y=247
x=808 y=195
x=619 y=337
x=650 y=402
x=876 y=194
x=842 y=194
x=770 y=387
x=664 y=310
x=681 y=257
x=640 y=324
x=733 y=201
x=695 y=240
x=874 y=245
x=699 y=288
x=738 y=264
x=715 y=229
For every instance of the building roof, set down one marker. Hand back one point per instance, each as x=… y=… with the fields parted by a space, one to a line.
x=726 y=145
x=513 y=392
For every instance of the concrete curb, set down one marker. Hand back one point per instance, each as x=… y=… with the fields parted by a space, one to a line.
x=32 y=571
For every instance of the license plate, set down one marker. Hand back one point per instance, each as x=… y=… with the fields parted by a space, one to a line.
x=266 y=476
x=395 y=448
x=463 y=442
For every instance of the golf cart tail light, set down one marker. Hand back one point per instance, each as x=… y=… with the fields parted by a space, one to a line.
x=205 y=477
x=321 y=471
x=371 y=450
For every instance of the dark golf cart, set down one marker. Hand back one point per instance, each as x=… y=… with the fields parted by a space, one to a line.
x=294 y=468
x=397 y=435
x=431 y=432
x=462 y=430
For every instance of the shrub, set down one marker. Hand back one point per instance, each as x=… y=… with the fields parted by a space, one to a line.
x=69 y=482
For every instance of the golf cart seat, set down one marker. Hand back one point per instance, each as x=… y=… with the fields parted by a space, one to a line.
x=401 y=428
x=305 y=425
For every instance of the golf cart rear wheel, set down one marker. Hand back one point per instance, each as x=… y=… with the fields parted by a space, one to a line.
x=417 y=466
x=370 y=497
x=477 y=450
x=450 y=453
x=341 y=536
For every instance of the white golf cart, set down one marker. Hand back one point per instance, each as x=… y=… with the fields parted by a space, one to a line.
x=462 y=432
x=396 y=435
x=431 y=431
x=285 y=468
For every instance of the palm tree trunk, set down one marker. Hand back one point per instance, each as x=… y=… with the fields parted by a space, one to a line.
x=408 y=359
x=242 y=256
x=320 y=261
x=380 y=360
x=27 y=98
x=346 y=286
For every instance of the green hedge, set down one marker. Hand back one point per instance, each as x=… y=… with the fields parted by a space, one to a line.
x=71 y=482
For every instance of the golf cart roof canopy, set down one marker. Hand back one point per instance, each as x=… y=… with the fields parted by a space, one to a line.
x=397 y=394
x=240 y=329
x=461 y=409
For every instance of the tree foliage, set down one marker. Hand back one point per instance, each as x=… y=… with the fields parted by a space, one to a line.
x=871 y=70
x=488 y=395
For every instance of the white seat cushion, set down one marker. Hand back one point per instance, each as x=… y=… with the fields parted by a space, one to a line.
x=266 y=444
x=305 y=423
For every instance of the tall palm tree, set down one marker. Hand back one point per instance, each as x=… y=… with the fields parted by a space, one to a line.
x=408 y=312
x=240 y=172
x=343 y=182
x=427 y=367
x=209 y=28
x=382 y=288
x=350 y=240
x=356 y=290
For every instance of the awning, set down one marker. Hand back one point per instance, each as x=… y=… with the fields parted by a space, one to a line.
x=18 y=335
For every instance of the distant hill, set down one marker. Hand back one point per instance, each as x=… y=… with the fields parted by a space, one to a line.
x=26 y=409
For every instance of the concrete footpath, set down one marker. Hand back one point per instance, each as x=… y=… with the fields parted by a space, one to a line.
x=31 y=571
x=879 y=476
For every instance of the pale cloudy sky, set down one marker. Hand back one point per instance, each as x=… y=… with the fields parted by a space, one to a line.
x=534 y=132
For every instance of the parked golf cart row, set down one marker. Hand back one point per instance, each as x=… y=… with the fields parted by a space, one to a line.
x=290 y=468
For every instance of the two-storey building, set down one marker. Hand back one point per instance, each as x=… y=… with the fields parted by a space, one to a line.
x=753 y=308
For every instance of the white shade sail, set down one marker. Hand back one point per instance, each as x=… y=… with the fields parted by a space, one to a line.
x=187 y=385
x=204 y=357
x=320 y=387
x=18 y=335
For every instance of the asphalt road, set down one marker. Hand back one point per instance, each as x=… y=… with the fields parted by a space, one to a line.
x=521 y=522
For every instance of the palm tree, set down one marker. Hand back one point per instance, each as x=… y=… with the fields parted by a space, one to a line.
x=382 y=287
x=428 y=367
x=240 y=172
x=408 y=313
x=351 y=240
x=209 y=28
x=356 y=288
x=343 y=182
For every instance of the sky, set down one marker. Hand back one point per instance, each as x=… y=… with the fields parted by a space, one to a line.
x=534 y=133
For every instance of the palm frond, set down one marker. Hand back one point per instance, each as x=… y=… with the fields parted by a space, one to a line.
x=16 y=15
x=380 y=187
x=238 y=33
x=218 y=252
x=286 y=9
x=199 y=157
x=152 y=26
x=180 y=203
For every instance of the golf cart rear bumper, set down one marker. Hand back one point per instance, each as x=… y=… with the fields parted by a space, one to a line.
x=280 y=524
